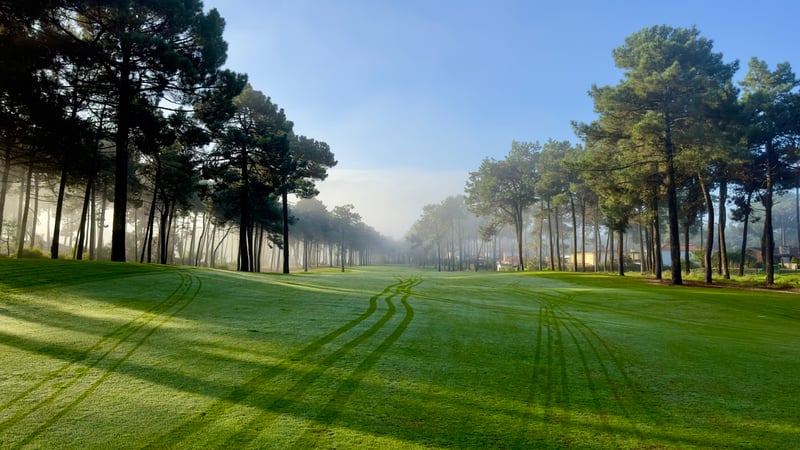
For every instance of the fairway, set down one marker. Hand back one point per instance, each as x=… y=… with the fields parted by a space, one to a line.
x=98 y=355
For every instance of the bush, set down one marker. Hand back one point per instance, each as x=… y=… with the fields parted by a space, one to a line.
x=33 y=253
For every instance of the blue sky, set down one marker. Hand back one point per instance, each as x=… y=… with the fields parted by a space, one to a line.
x=412 y=95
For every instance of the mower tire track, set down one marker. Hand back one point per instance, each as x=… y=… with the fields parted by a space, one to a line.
x=86 y=374
x=255 y=391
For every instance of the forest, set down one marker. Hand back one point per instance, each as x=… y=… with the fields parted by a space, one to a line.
x=122 y=137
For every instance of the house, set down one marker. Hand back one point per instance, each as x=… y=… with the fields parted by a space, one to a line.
x=666 y=254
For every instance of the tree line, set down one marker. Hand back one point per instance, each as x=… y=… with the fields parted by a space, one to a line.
x=676 y=138
x=127 y=102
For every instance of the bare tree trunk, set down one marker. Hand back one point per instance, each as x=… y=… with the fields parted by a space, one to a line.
x=583 y=234
x=4 y=184
x=686 y=256
x=87 y=196
x=558 y=239
x=746 y=223
x=709 y=247
x=621 y=253
x=62 y=186
x=24 y=217
x=550 y=236
x=658 y=263
x=723 y=219
x=35 y=210
x=597 y=237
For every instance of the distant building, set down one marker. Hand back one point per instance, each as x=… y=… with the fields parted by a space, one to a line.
x=666 y=254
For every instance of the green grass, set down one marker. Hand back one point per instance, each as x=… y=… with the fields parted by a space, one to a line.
x=98 y=355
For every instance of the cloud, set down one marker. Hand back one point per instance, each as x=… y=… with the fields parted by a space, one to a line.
x=389 y=200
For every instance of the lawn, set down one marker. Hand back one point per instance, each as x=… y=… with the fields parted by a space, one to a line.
x=99 y=355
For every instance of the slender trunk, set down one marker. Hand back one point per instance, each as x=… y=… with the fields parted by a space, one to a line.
x=583 y=233
x=574 y=234
x=672 y=210
x=597 y=237
x=797 y=216
x=285 y=205
x=23 y=223
x=769 y=239
x=550 y=237
x=621 y=253
x=541 y=236
x=259 y=249
x=745 y=225
x=709 y=245
x=658 y=263
x=642 y=246
x=165 y=226
x=610 y=249
x=305 y=254
x=438 y=256
x=35 y=210
x=518 y=228
x=62 y=187
x=723 y=219
x=4 y=184
x=244 y=220
x=558 y=239
x=188 y=260
x=87 y=196
x=147 y=245
x=686 y=257
x=92 y=223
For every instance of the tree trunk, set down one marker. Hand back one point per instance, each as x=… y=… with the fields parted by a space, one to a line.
x=723 y=219
x=621 y=253
x=62 y=186
x=23 y=221
x=709 y=245
x=769 y=240
x=285 y=205
x=87 y=197
x=686 y=256
x=541 y=236
x=658 y=262
x=574 y=235
x=583 y=233
x=35 y=210
x=558 y=239
x=147 y=243
x=672 y=210
x=550 y=237
x=610 y=249
x=122 y=156
x=597 y=237
x=742 y=257
x=4 y=184
x=244 y=219
x=518 y=225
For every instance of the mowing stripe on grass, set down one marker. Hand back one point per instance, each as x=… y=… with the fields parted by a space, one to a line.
x=239 y=394
x=90 y=357
x=84 y=380
x=332 y=409
x=616 y=378
x=36 y=275
x=551 y=379
x=283 y=403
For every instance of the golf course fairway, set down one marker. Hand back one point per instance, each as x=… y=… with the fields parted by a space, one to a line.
x=102 y=355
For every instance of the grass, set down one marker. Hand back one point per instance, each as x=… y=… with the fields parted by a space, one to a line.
x=99 y=355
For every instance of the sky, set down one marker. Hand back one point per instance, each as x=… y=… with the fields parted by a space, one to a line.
x=412 y=95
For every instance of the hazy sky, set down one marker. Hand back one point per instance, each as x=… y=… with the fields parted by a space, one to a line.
x=412 y=95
